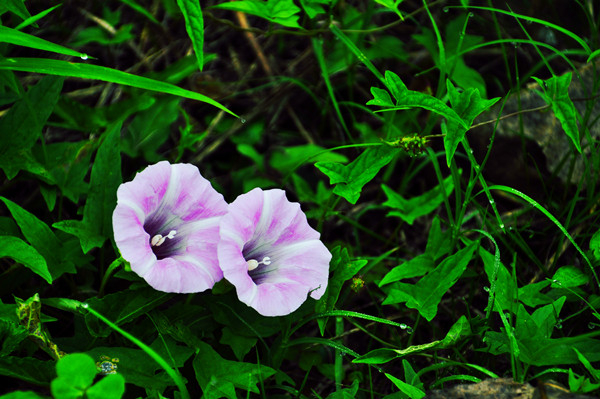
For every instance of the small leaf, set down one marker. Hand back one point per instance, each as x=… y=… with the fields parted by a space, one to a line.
x=468 y=105
x=556 y=94
x=219 y=377
x=426 y=295
x=407 y=389
x=569 y=277
x=194 y=25
x=343 y=269
x=281 y=12
x=351 y=178
x=409 y=210
x=20 y=251
x=109 y=387
x=75 y=373
x=96 y=225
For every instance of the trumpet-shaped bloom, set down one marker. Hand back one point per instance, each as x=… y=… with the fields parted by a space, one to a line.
x=166 y=225
x=270 y=254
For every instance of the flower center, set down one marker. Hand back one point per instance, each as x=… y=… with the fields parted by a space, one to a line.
x=158 y=239
x=253 y=263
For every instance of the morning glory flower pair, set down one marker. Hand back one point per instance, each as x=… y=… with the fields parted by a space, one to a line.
x=180 y=235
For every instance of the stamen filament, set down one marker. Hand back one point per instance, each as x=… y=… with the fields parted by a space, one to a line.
x=158 y=239
x=253 y=263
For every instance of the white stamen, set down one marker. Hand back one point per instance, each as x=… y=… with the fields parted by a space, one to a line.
x=253 y=263
x=158 y=239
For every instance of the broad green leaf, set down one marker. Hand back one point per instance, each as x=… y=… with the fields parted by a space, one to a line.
x=417 y=266
x=314 y=7
x=219 y=377
x=283 y=12
x=194 y=25
x=17 y=7
x=346 y=393
x=28 y=369
x=424 y=204
x=468 y=105
x=406 y=98
x=13 y=36
x=109 y=387
x=11 y=334
x=586 y=363
x=569 y=277
x=595 y=245
x=459 y=331
x=123 y=307
x=555 y=92
x=381 y=98
x=42 y=238
x=96 y=225
x=20 y=251
x=138 y=368
x=150 y=129
x=75 y=373
x=96 y=72
x=350 y=179
x=67 y=163
x=532 y=296
x=427 y=293
x=407 y=389
x=239 y=344
x=22 y=126
x=502 y=283
x=22 y=395
x=343 y=269
x=286 y=159
x=392 y=5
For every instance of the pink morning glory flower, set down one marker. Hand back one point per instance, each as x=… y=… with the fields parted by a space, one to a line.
x=166 y=225
x=270 y=254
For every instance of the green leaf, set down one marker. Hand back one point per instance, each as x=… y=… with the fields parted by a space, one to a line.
x=556 y=94
x=287 y=159
x=569 y=277
x=343 y=269
x=88 y=71
x=11 y=334
x=502 y=283
x=194 y=25
x=312 y=8
x=42 y=238
x=27 y=369
x=409 y=210
x=96 y=225
x=20 y=251
x=239 y=344
x=413 y=99
x=17 y=7
x=427 y=293
x=13 y=36
x=22 y=395
x=109 y=387
x=281 y=12
x=22 y=126
x=417 y=266
x=219 y=377
x=151 y=128
x=123 y=307
x=407 y=389
x=76 y=373
x=595 y=245
x=350 y=179
x=459 y=331
x=468 y=105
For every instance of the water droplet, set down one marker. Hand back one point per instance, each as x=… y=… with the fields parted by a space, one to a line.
x=491 y=201
x=486 y=289
x=242 y=120
x=558 y=324
x=471 y=15
x=591 y=325
x=470 y=150
x=84 y=57
x=557 y=282
x=502 y=226
x=445 y=9
x=84 y=305
x=409 y=330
